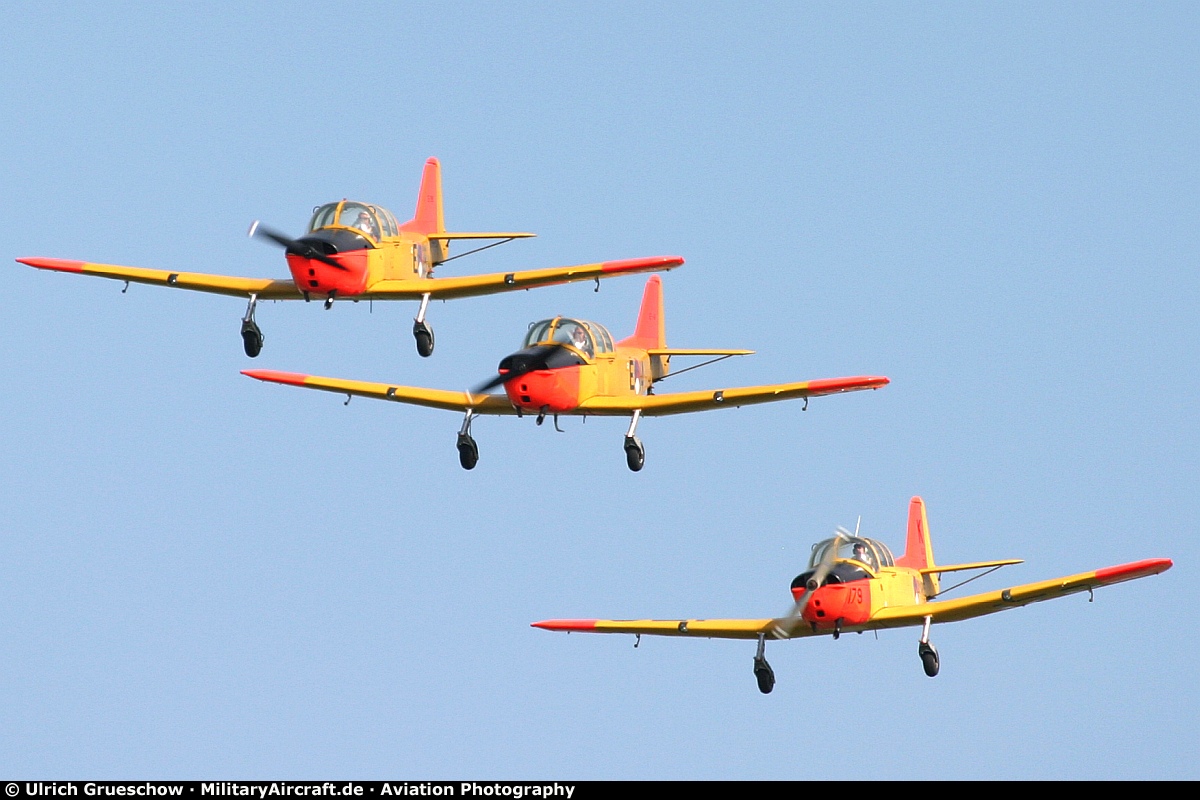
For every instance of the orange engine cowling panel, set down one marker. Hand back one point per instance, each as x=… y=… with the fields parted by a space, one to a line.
x=848 y=602
x=554 y=390
x=319 y=278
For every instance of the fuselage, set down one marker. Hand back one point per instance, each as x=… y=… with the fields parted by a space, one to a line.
x=863 y=579
x=580 y=361
x=369 y=245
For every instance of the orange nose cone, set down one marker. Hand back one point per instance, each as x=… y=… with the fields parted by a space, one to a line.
x=555 y=390
x=316 y=277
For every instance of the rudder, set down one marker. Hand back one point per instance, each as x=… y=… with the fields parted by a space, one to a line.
x=651 y=330
x=428 y=216
x=918 y=548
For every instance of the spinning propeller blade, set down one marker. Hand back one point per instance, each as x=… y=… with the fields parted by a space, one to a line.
x=531 y=359
x=796 y=615
x=295 y=246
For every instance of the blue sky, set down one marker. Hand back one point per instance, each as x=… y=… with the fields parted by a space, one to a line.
x=210 y=577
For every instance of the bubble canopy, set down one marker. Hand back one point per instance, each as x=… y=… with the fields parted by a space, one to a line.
x=869 y=552
x=374 y=221
x=589 y=338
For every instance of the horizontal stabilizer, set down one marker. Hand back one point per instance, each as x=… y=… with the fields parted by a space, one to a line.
x=480 y=235
x=681 y=351
x=976 y=565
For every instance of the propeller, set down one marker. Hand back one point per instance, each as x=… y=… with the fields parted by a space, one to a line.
x=294 y=246
x=541 y=356
x=795 y=616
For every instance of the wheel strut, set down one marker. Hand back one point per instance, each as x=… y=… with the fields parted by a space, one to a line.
x=422 y=331
x=928 y=653
x=762 y=670
x=252 y=338
x=468 y=450
x=635 y=454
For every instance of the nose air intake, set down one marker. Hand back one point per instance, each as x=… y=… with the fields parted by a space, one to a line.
x=538 y=357
x=532 y=359
x=334 y=241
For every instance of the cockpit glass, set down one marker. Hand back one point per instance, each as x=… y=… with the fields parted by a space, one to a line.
x=568 y=331
x=359 y=217
x=562 y=330
x=386 y=223
x=537 y=333
x=601 y=337
x=865 y=551
x=323 y=217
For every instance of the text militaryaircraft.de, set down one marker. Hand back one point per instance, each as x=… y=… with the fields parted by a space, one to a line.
x=359 y=251
x=855 y=584
x=573 y=367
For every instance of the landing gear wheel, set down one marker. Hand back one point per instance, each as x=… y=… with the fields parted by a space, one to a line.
x=635 y=454
x=764 y=675
x=468 y=451
x=929 y=659
x=424 y=336
x=252 y=339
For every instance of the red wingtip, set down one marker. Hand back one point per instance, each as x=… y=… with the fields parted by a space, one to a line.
x=274 y=376
x=565 y=625
x=833 y=385
x=59 y=264
x=1137 y=569
x=642 y=264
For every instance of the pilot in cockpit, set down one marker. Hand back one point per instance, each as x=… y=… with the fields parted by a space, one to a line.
x=579 y=339
x=367 y=225
x=861 y=553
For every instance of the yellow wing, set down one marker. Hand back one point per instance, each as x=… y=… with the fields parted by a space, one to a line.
x=413 y=395
x=655 y=405
x=704 y=628
x=901 y=616
x=476 y=285
x=977 y=605
x=265 y=288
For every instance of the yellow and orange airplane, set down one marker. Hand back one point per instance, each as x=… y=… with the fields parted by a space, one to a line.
x=358 y=251
x=574 y=367
x=853 y=583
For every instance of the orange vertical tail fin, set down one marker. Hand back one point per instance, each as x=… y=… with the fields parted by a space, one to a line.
x=428 y=216
x=651 y=330
x=918 y=549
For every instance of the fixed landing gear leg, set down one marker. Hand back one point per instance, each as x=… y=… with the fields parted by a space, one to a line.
x=252 y=338
x=927 y=652
x=762 y=670
x=422 y=332
x=635 y=454
x=468 y=450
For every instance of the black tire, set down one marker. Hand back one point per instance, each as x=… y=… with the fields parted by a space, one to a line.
x=765 y=676
x=468 y=453
x=252 y=342
x=425 y=344
x=930 y=660
x=635 y=456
